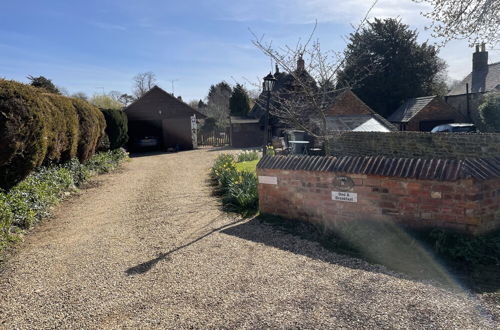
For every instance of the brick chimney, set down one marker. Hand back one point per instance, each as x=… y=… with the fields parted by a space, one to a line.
x=301 y=64
x=479 y=69
x=480 y=58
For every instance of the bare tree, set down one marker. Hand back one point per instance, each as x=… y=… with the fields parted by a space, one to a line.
x=143 y=82
x=306 y=93
x=474 y=20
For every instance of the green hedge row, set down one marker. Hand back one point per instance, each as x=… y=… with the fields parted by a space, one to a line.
x=116 y=127
x=39 y=128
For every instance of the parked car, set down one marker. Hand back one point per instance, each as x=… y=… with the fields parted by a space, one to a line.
x=147 y=142
x=454 y=128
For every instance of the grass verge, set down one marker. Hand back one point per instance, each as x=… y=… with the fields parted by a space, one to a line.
x=32 y=199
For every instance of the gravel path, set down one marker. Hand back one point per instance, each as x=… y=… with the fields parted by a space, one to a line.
x=148 y=247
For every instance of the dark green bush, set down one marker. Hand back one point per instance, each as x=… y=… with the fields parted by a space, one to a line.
x=116 y=127
x=63 y=131
x=92 y=125
x=23 y=132
x=39 y=128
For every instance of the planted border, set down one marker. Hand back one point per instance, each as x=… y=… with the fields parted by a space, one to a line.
x=32 y=199
x=238 y=188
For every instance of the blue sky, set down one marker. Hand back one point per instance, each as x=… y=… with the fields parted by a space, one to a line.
x=92 y=46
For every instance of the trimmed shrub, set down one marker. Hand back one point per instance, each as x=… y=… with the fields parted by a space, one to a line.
x=116 y=127
x=40 y=128
x=23 y=133
x=63 y=130
x=92 y=125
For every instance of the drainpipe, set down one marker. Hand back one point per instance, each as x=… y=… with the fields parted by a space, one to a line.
x=468 y=102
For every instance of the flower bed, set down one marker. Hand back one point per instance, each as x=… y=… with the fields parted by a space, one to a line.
x=237 y=183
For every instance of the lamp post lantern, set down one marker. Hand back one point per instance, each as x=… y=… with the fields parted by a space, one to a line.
x=268 y=85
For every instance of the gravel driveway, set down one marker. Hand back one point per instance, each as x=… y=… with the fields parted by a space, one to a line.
x=148 y=247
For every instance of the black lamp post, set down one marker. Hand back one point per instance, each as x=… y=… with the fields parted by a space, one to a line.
x=268 y=85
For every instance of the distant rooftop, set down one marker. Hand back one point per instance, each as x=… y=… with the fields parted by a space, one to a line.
x=410 y=108
x=356 y=123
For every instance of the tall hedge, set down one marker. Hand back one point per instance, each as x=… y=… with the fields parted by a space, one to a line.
x=23 y=134
x=116 y=127
x=64 y=130
x=38 y=128
x=92 y=126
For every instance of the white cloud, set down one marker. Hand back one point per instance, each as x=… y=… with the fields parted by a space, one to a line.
x=108 y=26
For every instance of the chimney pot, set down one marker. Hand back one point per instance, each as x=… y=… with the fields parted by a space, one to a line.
x=480 y=58
x=301 y=64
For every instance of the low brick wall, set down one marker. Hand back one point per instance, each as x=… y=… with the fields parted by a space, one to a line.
x=468 y=205
x=416 y=144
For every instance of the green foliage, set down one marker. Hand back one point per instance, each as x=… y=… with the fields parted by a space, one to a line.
x=31 y=200
x=242 y=192
x=23 y=131
x=5 y=222
x=40 y=128
x=209 y=125
x=385 y=65
x=92 y=125
x=44 y=84
x=62 y=130
x=239 y=188
x=104 y=101
x=224 y=171
x=218 y=103
x=464 y=248
x=105 y=162
x=250 y=166
x=239 y=102
x=489 y=111
x=116 y=127
x=247 y=156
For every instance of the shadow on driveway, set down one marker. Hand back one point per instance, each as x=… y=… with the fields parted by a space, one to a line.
x=148 y=265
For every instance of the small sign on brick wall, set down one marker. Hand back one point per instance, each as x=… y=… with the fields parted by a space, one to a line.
x=343 y=196
x=268 y=179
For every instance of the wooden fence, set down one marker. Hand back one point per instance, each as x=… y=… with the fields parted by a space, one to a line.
x=217 y=138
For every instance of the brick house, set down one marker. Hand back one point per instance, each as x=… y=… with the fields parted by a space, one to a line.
x=425 y=113
x=160 y=115
x=484 y=78
x=349 y=113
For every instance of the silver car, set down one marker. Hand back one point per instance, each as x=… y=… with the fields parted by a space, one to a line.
x=455 y=128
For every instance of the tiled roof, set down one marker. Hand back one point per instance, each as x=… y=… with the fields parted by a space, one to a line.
x=157 y=98
x=410 y=108
x=484 y=81
x=413 y=168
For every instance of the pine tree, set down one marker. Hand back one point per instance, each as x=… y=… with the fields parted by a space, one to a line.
x=385 y=65
x=239 y=103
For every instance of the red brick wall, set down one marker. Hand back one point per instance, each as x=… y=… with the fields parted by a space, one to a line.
x=464 y=205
